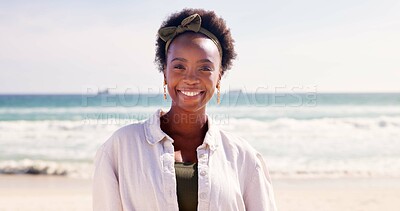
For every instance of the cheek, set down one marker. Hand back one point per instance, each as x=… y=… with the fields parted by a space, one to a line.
x=173 y=80
x=171 y=76
x=214 y=79
x=212 y=84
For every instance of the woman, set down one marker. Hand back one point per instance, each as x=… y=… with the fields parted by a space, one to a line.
x=180 y=160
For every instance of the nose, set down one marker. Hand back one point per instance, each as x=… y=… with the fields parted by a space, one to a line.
x=191 y=77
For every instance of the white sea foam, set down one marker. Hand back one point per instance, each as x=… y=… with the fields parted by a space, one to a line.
x=296 y=142
x=258 y=112
x=63 y=110
x=328 y=146
x=41 y=167
x=302 y=112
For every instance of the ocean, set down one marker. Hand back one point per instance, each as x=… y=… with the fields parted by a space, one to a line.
x=299 y=134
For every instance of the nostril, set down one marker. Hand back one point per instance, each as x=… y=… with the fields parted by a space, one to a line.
x=191 y=80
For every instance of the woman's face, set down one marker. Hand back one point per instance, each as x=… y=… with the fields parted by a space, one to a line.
x=192 y=71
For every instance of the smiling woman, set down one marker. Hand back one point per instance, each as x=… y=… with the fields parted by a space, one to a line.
x=180 y=160
x=192 y=72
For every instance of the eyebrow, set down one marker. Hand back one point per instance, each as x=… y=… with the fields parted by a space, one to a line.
x=204 y=60
x=184 y=60
x=179 y=59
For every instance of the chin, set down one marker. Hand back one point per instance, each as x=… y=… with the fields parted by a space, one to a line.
x=190 y=108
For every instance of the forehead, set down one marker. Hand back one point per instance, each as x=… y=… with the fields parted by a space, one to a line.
x=193 y=45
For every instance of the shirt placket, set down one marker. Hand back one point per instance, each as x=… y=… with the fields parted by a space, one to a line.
x=168 y=170
x=204 y=186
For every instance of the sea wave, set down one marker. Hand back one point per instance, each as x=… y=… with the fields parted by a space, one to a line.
x=253 y=112
x=42 y=167
x=349 y=124
x=350 y=173
x=294 y=170
x=352 y=146
x=326 y=166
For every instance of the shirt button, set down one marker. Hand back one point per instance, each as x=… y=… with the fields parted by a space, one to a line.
x=203 y=195
x=203 y=173
x=202 y=156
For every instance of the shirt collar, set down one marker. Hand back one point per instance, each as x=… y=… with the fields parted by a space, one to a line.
x=154 y=134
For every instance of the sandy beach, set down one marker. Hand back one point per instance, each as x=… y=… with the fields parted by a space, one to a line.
x=350 y=194
x=34 y=193
x=21 y=192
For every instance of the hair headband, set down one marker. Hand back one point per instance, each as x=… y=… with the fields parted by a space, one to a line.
x=191 y=23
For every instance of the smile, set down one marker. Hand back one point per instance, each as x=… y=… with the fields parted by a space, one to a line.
x=190 y=93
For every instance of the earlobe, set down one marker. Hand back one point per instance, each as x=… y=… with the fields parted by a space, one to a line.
x=218 y=92
x=164 y=71
x=219 y=78
x=165 y=89
x=165 y=78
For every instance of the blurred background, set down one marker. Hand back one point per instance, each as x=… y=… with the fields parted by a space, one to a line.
x=315 y=89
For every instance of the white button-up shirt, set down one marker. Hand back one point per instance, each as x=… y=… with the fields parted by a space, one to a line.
x=134 y=170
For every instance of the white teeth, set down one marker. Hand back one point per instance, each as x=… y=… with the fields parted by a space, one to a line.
x=190 y=93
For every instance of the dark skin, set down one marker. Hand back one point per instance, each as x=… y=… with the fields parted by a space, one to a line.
x=187 y=137
x=192 y=72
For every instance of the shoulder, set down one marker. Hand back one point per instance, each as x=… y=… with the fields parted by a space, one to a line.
x=128 y=131
x=123 y=137
x=237 y=149
x=237 y=143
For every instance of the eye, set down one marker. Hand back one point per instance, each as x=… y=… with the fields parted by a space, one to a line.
x=179 y=67
x=206 y=68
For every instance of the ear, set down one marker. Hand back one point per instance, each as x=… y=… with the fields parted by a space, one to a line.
x=220 y=75
x=221 y=72
x=164 y=72
x=218 y=82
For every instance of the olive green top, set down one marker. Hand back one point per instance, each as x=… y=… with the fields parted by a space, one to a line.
x=186 y=182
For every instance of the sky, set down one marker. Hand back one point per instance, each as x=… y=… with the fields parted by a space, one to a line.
x=288 y=45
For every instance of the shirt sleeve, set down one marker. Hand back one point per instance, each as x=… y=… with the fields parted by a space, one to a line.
x=106 y=195
x=259 y=194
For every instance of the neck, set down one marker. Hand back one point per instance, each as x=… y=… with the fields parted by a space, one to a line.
x=178 y=122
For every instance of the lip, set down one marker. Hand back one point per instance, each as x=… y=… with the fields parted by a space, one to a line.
x=190 y=93
x=190 y=90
